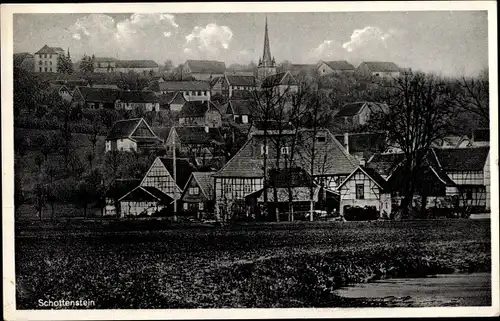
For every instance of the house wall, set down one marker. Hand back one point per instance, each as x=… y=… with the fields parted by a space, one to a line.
x=192 y=121
x=235 y=188
x=47 y=62
x=133 y=208
x=382 y=74
x=176 y=107
x=467 y=178
x=159 y=177
x=138 y=105
x=487 y=182
x=110 y=208
x=372 y=195
x=124 y=144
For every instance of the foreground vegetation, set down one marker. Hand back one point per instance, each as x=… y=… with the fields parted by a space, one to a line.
x=272 y=265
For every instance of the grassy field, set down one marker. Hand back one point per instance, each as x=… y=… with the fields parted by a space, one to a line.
x=273 y=265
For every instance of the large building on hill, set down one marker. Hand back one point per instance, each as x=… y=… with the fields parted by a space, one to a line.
x=204 y=69
x=46 y=59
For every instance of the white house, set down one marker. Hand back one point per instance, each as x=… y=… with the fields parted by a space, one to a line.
x=46 y=59
x=191 y=90
x=131 y=135
x=334 y=67
x=133 y=100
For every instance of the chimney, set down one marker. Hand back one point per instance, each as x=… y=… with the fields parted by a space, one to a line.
x=362 y=161
x=346 y=142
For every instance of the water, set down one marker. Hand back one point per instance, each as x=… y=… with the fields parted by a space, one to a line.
x=442 y=290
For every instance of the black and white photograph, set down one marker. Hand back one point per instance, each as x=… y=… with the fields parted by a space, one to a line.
x=323 y=158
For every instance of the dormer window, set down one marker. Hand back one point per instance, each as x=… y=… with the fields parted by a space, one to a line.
x=284 y=150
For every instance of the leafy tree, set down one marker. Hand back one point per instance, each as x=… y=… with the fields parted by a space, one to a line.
x=168 y=65
x=87 y=64
x=65 y=65
x=27 y=92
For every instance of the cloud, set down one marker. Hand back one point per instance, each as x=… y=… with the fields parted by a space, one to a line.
x=328 y=49
x=368 y=37
x=97 y=33
x=209 y=41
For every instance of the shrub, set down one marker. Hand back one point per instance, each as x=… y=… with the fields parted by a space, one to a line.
x=357 y=213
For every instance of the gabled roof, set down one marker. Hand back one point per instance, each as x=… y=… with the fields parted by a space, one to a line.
x=198 y=136
x=184 y=169
x=126 y=128
x=138 y=96
x=146 y=194
x=102 y=95
x=330 y=157
x=282 y=78
x=240 y=107
x=136 y=64
x=206 y=66
x=385 y=164
x=175 y=97
x=462 y=159
x=120 y=187
x=382 y=66
x=352 y=109
x=196 y=108
x=205 y=181
x=184 y=85
x=53 y=88
x=236 y=80
x=49 y=50
x=371 y=173
x=339 y=65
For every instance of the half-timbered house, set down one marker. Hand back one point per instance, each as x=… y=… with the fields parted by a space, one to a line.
x=200 y=113
x=131 y=135
x=198 y=197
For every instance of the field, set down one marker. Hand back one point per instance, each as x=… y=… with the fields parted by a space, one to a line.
x=261 y=265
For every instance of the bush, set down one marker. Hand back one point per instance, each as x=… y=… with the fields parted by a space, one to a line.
x=356 y=213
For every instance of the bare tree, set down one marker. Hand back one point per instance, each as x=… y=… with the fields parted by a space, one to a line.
x=473 y=95
x=113 y=160
x=419 y=113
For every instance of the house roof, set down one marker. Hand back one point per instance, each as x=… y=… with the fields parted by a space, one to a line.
x=175 y=97
x=184 y=169
x=385 y=164
x=120 y=187
x=352 y=109
x=198 y=135
x=299 y=194
x=279 y=79
x=49 y=50
x=138 y=96
x=330 y=157
x=371 y=173
x=184 y=85
x=237 y=80
x=240 y=107
x=102 y=95
x=366 y=143
x=339 y=65
x=462 y=159
x=206 y=66
x=205 y=182
x=136 y=64
x=104 y=59
x=382 y=66
x=19 y=57
x=124 y=128
x=145 y=194
x=195 y=108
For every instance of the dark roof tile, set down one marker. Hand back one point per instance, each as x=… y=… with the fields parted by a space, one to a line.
x=206 y=66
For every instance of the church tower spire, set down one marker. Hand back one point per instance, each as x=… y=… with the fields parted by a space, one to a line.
x=267 y=65
x=266 y=57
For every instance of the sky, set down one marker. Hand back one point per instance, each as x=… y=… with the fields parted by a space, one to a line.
x=449 y=43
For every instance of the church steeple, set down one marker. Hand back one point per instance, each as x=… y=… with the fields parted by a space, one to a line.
x=266 y=57
x=267 y=64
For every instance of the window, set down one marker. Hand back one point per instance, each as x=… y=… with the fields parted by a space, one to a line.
x=321 y=139
x=40 y=68
x=360 y=191
x=185 y=206
x=40 y=62
x=50 y=56
x=45 y=63
x=50 y=69
x=284 y=150
x=45 y=68
x=264 y=149
x=244 y=119
x=51 y=63
x=247 y=188
x=201 y=206
x=194 y=191
x=469 y=194
x=198 y=92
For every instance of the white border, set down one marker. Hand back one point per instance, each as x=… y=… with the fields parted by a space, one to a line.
x=7 y=159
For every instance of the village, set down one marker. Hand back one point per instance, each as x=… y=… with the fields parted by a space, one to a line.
x=255 y=144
